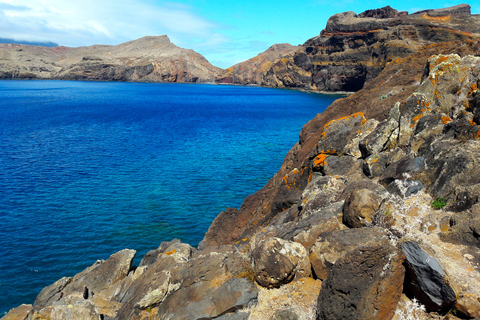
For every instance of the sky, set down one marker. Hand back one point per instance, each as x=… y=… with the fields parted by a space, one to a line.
x=225 y=32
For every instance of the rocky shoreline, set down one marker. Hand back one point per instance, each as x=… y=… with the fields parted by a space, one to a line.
x=374 y=214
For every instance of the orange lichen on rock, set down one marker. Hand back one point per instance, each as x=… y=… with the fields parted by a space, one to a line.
x=320 y=159
x=446 y=119
x=415 y=119
x=446 y=18
x=170 y=252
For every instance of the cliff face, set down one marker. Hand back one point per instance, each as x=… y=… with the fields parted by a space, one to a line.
x=150 y=59
x=353 y=49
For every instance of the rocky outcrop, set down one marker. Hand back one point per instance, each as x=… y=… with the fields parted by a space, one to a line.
x=354 y=48
x=149 y=59
x=366 y=219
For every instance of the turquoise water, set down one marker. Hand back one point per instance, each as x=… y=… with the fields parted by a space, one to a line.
x=90 y=168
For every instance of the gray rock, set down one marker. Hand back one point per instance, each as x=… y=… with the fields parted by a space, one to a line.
x=426 y=279
x=376 y=164
x=51 y=294
x=464 y=228
x=361 y=205
x=152 y=255
x=405 y=188
x=332 y=246
x=102 y=274
x=285 y=315
x=240 y=315
x=18 y=313
x=277 y=261
x=383 y=137
x=366 y=283
x=347 y=166
x=82 y=310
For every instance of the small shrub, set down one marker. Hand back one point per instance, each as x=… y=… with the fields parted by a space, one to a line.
x=438 y=203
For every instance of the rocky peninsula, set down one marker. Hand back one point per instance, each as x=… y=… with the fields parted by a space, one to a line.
x=374 y=214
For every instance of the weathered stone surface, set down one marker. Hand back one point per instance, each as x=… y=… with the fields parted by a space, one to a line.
x=405 y=188
x=376 y=164
x=426 y=279
x=337 y=133
x=347 y=166
x=464 y=228
x=182 y=251
x=235 y=316
x=382 y=138
x=51 y=294
x=468 y=306
x=18 y=313
x=102 y=274
x=360 y=207
x=364 y=284
x=285 y=315
x=81 y=310
x=276 y=262
x=149 y=59
x=331 y=246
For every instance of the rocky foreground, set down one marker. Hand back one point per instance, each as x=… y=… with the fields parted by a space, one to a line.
x=149 y=59
x=374 y=214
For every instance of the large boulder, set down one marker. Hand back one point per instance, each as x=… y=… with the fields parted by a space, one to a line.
x=366 y=283
x=331 y=246
x=277 y=261
x=360 y=207
x=426 y=279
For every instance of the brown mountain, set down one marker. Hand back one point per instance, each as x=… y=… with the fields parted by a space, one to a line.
x=150 y=58
x=354 y=48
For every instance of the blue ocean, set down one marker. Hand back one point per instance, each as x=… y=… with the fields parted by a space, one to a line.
x=91 y=168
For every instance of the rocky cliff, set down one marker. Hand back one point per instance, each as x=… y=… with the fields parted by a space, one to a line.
x=374 y=214
x=149 y=59
x=354 y=48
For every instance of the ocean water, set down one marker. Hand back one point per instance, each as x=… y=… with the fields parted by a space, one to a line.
x=90 y=168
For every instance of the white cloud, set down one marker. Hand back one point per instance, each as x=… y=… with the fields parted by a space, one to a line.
x=86 y=22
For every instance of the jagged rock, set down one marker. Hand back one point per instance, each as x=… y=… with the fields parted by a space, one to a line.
x=361 y=205
x=337 y=133
x=81 y=310
x=182 y=251
x=51 y=294
x=277 y=262
x=306 y=230
x=331 y=246
x=347 y=166
x=464 y=229
x=366 y=283
x=226 y=228
x=321 y=192
x=383 y=137
x=468 y=307
x=428 y=126
x=452 y=169
x=376 y=164
x=102 y=274
x=353 y=147
x=405 y=188
x=18 y=313
x=426 y=279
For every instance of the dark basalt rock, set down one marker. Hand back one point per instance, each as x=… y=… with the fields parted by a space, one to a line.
x=364 y=284
x=426 y=279
x=331 y=246
x=464 y=229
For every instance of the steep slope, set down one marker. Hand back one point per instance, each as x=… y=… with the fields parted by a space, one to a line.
x=353 y=49
x=153 y=59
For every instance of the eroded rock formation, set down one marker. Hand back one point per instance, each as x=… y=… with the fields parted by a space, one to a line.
x=149 y=59
x=354 y=48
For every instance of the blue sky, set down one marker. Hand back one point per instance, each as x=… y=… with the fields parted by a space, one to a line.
x=224 y=31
